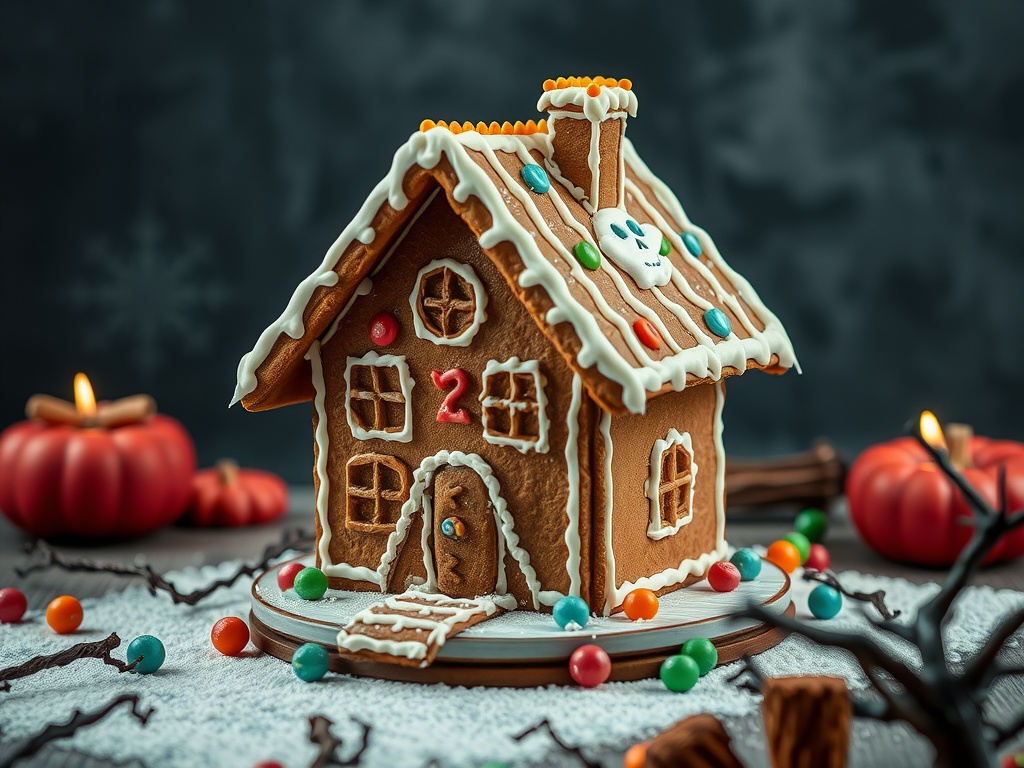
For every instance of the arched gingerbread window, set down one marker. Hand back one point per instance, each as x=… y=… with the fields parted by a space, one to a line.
x=448 y=303
x=670 y=484
x=376 y=487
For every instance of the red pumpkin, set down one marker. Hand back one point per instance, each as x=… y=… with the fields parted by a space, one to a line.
x=906 y=509
x=100 y=482
x=228 y=496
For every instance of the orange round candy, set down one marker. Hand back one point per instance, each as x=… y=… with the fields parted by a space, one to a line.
x=64 y=615
x=230 y=635
x=640 y=604
x=785 y=555
x=636 y=756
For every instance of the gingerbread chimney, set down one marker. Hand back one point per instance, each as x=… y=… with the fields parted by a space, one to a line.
x=586 y=123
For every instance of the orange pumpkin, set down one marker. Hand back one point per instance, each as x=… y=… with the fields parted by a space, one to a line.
x=228 y=497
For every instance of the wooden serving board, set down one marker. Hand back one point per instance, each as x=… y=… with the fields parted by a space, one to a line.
x=525 y=648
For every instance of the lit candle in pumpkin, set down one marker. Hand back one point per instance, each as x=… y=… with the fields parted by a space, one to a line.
x=906 y=509
x=94 y=469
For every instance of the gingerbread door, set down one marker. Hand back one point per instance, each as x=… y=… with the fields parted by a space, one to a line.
x=465 y=534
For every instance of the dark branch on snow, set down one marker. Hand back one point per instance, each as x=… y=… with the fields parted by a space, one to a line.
x=99 y=649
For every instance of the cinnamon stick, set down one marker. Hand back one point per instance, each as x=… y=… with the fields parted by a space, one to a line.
x=814 y=477
x=126 y=410
x=53 y=410
x=958 y=438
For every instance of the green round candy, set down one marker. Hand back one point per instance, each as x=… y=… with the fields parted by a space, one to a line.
x=310 y=583
x=587 y=255
x=812 y=523
x=679 y=673
x=494 y=764
x=703 y=651
x=799 y=541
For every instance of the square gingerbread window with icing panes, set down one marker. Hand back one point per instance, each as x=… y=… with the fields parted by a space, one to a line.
x=514 y=405
x=376 y=488
x=378 y=394
x=669 y=487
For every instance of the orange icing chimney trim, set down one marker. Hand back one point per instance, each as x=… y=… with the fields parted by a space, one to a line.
x=488 y=129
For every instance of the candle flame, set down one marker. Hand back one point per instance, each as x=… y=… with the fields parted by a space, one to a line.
x=85 y=399
x=931 y=431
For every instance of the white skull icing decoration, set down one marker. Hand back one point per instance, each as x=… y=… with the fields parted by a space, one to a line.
x=635 y=248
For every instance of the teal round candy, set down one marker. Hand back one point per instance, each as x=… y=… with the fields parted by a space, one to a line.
x=702 y=651
x=747 y=562
x=310 y=662
x=310 y=583
x=718 y=322
x=571 y=610
x=799 y=541
x=152 y=652
x=812 y=523
x=536 y=178
x=692 y=243
x=679 y=673
x=665 y=247
x=824 y=601
x=587 y=255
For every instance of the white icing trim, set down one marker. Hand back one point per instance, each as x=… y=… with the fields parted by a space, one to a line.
x=572 y=503
x=420 y=500
x=609 y=492
x=595 y=108
x=406 y=383
x=323 y=496
x=696 y=567
x=465 y=271
x=651 y=486
x=514 y=365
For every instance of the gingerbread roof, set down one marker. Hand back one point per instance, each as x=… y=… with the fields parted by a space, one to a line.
x=628 y=337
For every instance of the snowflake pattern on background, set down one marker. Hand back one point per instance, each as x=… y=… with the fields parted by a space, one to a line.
x=154 y=299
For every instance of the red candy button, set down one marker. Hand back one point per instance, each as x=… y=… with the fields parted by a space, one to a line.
x=383 y=329
x=819 y=559
x=286 y=576
x=724 y=577
x=12 y=605
x=647 y=333
x=589 y=666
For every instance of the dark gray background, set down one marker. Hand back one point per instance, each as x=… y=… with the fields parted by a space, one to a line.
x=169 y=172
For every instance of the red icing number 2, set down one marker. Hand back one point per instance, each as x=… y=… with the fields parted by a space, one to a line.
x=450 y=411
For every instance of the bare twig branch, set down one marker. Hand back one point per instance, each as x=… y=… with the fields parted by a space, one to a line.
x=99 y=649
x=320 y=734
x=876 y=598
x=15 y=751
x=750 y=669
x=297 y=540
x=545 y=726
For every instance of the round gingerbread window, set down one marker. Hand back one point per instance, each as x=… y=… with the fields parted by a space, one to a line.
x=448 y=303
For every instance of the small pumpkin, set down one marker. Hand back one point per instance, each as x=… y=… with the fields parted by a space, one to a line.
x=227 y=496
x=906 y=509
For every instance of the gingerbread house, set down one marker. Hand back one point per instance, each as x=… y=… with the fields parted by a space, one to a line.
x=516 y=354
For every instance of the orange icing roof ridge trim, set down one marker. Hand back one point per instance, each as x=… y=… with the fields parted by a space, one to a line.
x=494 y=128
x=589 y=83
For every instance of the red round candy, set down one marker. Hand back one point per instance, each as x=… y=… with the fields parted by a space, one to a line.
x=269 y=764
x=230 y=635
x=383 y=329
x=12 y=605
x=589 y=666
x=819 y=559
x=286 y=576
x=724 y=577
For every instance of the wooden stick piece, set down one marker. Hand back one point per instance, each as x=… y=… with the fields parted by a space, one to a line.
x=52 y=410
x=807 y=721
x=958 y=438
x=127 y=410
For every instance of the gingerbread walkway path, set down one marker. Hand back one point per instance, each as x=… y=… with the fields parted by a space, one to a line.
x=409 y=629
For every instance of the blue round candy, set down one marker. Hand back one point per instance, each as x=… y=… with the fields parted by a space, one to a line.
x=571 y=610
x=152 y=652
x=824 y=601
x=692 y=243
x=718 y=322
x=535 y=178
x=747 y=562
x=310 y=662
